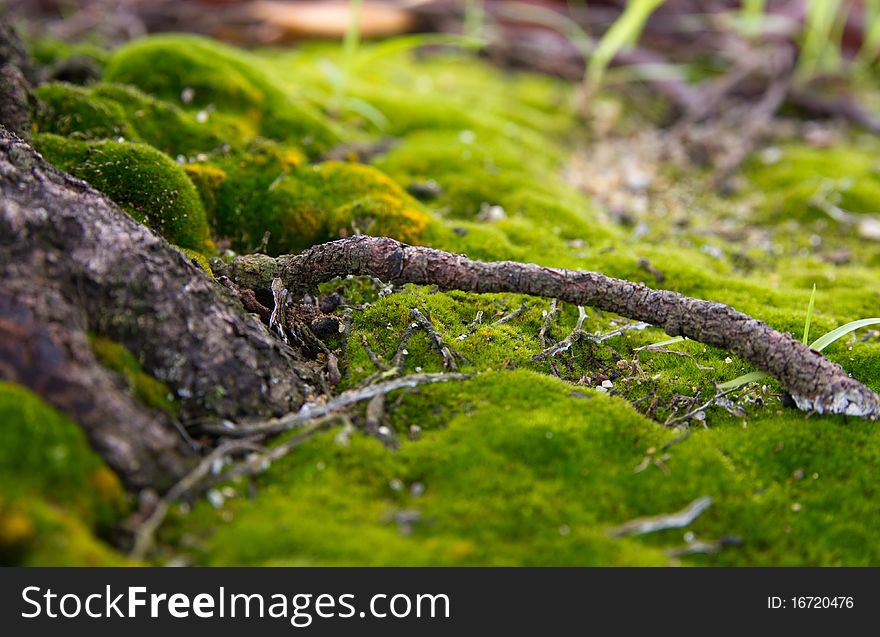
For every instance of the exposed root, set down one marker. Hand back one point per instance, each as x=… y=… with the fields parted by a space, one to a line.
x=815 y=383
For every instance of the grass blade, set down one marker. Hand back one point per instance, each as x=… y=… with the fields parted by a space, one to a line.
x=670 y=341
x=809 y=319
x=623 y=33
x=824 y=341
x=751 y=377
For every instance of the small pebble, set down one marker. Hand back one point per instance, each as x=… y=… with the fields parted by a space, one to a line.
x=215 y=498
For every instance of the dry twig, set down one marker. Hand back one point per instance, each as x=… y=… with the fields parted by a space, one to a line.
x=677 y=520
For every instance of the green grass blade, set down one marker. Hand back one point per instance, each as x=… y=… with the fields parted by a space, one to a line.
x=870 y=50
x=624 y=32
x=474 y=18
x=751 y=17
x=350 y=44
x=816 y=50
x=809 y=319
x=670 y=341
x=751 y=377
x=824 y=341
x=399 y=44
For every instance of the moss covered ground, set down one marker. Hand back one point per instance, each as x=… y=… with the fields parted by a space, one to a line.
x=527 y=462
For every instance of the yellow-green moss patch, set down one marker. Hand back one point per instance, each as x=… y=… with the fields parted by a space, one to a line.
x=142 y=180
x=200 y=74
x=56 y=492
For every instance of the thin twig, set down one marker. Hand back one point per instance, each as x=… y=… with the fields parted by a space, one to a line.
x=601 y=338
x=449 y=355
x=511 y=315
x=377 y=362
x=582 y=316
x=260 y=462
x=313 y=411
x=561 y=346
x=145 y=532
x=663 y=350
x=473 y=325
x=278 y=318
x=701 y=408
x=548 y=322
x=400 y=355
x=677 y=520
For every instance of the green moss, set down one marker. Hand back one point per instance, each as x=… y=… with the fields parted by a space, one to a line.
x=143 y=181
x=207 y=180
x=164 y=125
x=72 y=110
x=48 y=51
x=116 y=111
x=151 y=392
x=219 y=77
x=56 y=492
x=303 y=205
x=517 y=468
x=849 y=176
x=199 y=259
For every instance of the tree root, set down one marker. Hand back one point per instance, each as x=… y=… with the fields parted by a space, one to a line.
x=73 y=265
x=815 y=383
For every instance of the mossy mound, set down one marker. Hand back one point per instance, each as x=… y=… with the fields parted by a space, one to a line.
x=301 y=205
x=50 y=51
x=75 y=111
x=200 y=74
x=56 y=492
x=145 y=182
x=118 y=111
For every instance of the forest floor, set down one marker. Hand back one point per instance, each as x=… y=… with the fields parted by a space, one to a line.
x=539 y=457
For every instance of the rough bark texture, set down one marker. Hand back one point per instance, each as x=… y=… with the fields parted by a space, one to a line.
x=816 y=383
x=16 y=79
x=73 y=263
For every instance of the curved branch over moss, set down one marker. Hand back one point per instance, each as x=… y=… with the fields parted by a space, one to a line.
x=815 y=383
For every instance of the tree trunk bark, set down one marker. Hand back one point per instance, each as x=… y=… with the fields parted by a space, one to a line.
x=73 y=264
